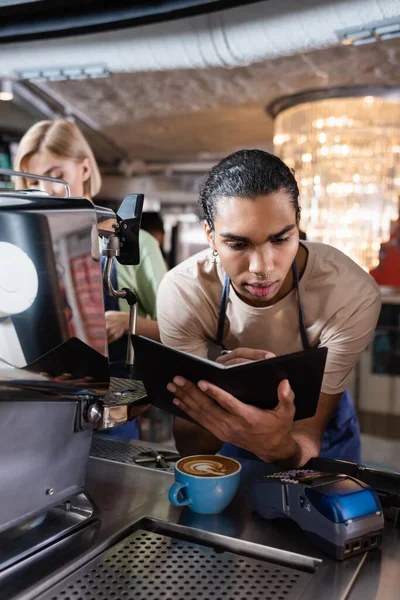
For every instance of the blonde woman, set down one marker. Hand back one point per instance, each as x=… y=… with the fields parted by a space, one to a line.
x=59 y=149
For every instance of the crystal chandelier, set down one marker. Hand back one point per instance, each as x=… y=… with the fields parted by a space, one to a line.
x=346 y=156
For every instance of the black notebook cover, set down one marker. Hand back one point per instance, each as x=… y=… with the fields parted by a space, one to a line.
x=254 y=383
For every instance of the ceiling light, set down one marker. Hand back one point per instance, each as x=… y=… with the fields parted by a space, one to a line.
x=351 y=207
x=280 y=139
x=48 y=74
x=6 y=91
x=370 y=33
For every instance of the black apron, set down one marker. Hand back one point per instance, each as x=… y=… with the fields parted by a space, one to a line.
x=341 y=439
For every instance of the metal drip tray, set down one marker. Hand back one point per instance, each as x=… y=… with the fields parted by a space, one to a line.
x=129 y=452
x=147 y=565
x=115 y=450
x=43 y=530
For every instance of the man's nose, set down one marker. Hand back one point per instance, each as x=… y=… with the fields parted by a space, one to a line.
x=262 y=261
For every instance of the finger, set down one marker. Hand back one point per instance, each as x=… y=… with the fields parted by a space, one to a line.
x=243 y=353
x=233 y=361
x=246 y=354
x=64 y=376
x=110 y=319
x=285 y=395
x=111 y=336
x=197 y=404
x=224 y=399
x=240 y=361
x=189 y=393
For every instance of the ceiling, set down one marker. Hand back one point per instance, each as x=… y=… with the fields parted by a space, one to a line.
x=201 y=114
x=137 y=120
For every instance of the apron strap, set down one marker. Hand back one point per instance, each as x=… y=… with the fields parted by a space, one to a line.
x=224 y=303
x=302 y=325
x=222 y=311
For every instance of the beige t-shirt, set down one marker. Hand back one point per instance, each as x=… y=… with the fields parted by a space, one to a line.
x=340 y=302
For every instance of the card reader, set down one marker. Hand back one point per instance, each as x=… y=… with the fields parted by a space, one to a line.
x=341 y=515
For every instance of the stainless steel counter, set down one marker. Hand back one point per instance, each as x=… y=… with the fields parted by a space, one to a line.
x=137 y=545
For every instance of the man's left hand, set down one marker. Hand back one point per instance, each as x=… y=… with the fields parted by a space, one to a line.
x=266 y=433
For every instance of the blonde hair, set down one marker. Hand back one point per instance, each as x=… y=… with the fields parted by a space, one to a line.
x=62 y=138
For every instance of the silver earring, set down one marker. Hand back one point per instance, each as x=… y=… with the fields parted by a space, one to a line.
x=215 y=256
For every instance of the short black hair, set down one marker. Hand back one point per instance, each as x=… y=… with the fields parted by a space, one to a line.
x=247 y=174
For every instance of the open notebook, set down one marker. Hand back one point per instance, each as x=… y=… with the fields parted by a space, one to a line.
x=253 y=383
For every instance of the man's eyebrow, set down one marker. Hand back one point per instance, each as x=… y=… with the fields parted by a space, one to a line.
x=286 y=229
x=236 y=238
x=273 y=236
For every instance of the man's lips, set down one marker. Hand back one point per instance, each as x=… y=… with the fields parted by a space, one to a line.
x=261 y=289
x=260 y=284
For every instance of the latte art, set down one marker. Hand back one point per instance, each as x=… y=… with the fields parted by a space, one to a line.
x=204 y=467
x=208 y=466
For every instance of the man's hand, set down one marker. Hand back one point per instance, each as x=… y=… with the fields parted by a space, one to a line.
x=243 y=355
x=117 y=323
x=266 y=433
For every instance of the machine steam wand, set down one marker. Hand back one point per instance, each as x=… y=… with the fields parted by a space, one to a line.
x=111 y=251
x=121 y=241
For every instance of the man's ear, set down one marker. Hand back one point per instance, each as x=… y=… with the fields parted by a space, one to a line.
x=209 y=235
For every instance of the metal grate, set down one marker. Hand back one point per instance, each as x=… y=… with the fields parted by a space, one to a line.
x=151 y=566
x=127 y=452
x=117 y=451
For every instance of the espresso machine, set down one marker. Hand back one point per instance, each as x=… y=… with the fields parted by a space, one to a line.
x=55 y=386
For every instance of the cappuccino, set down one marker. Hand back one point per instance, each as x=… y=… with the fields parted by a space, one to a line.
x=208 y=466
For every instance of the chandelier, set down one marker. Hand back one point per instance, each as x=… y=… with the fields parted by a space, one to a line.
x=346 y=155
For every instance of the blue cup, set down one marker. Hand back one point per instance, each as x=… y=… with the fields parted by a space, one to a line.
x=206 y=493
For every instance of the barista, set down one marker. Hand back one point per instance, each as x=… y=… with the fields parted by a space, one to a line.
x=259 y=292
x=58 y=149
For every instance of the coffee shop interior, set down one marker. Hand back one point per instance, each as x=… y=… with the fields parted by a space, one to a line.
x=162 y=91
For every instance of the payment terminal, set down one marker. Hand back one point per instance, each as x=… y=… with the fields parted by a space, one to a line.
x=340 y=514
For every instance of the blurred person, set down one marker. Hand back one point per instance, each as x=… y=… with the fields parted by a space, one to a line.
x=152 y=223
x=59 y=149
